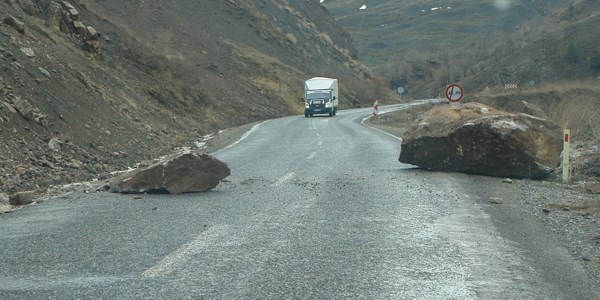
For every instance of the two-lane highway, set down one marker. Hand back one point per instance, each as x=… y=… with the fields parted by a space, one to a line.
x=315 y=208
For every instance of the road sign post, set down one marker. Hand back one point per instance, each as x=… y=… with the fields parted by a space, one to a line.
x=454 y=92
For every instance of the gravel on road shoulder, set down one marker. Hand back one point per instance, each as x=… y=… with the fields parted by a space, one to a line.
x=212 y=143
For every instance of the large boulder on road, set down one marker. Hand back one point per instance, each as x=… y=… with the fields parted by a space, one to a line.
x=178 y=173
x=475 y=138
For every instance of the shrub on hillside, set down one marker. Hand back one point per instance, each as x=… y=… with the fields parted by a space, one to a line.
x=572 y=55
x=595 y=61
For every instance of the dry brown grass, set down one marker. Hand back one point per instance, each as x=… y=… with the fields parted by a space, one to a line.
x=128 y=101
x=583 y=205
x=280 y=82
x=291 y=38
x=578 y=113
x=275 y=87
x=285 y=5
x=251 y=8
x=324 y=36
x=576 y=105
x=578 y=109
x=366 y=90
x=210 y=114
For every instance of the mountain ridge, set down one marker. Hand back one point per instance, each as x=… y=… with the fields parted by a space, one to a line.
x=424 y=46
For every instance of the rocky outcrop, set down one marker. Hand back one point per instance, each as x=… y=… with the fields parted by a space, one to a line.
x=27 y=111
x=475 y=138
x=15 y=23
x=66 y=17
x=178 y=173
x=71 y=23
x=22 y=198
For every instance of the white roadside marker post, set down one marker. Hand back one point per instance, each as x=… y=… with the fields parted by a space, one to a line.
x=565 y=155
x=375 y=108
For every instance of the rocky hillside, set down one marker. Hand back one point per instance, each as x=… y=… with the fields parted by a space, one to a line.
x=89 y=87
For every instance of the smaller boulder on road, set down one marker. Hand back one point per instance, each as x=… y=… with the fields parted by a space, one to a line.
x=178 y=173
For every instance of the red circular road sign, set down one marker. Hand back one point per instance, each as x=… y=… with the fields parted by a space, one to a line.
x=454 y=92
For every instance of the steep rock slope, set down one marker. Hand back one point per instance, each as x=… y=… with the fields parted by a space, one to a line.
x=165 y=74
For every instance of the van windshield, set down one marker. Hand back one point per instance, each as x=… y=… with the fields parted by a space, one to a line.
x=313 y=96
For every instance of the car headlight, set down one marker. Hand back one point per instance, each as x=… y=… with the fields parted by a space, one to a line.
x=306 y=105
x=328 y=104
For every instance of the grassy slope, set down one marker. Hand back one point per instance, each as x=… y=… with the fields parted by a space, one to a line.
x=473 y=42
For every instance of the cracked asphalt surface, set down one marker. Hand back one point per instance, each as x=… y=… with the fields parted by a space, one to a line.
x=315 y=208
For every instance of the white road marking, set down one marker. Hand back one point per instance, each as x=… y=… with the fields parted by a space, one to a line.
x=246 y=134
x=387 y=133
x=178 y=257
x=283 y=179
x=311 y=156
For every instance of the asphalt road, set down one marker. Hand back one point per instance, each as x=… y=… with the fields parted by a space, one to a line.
x=315 y=208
